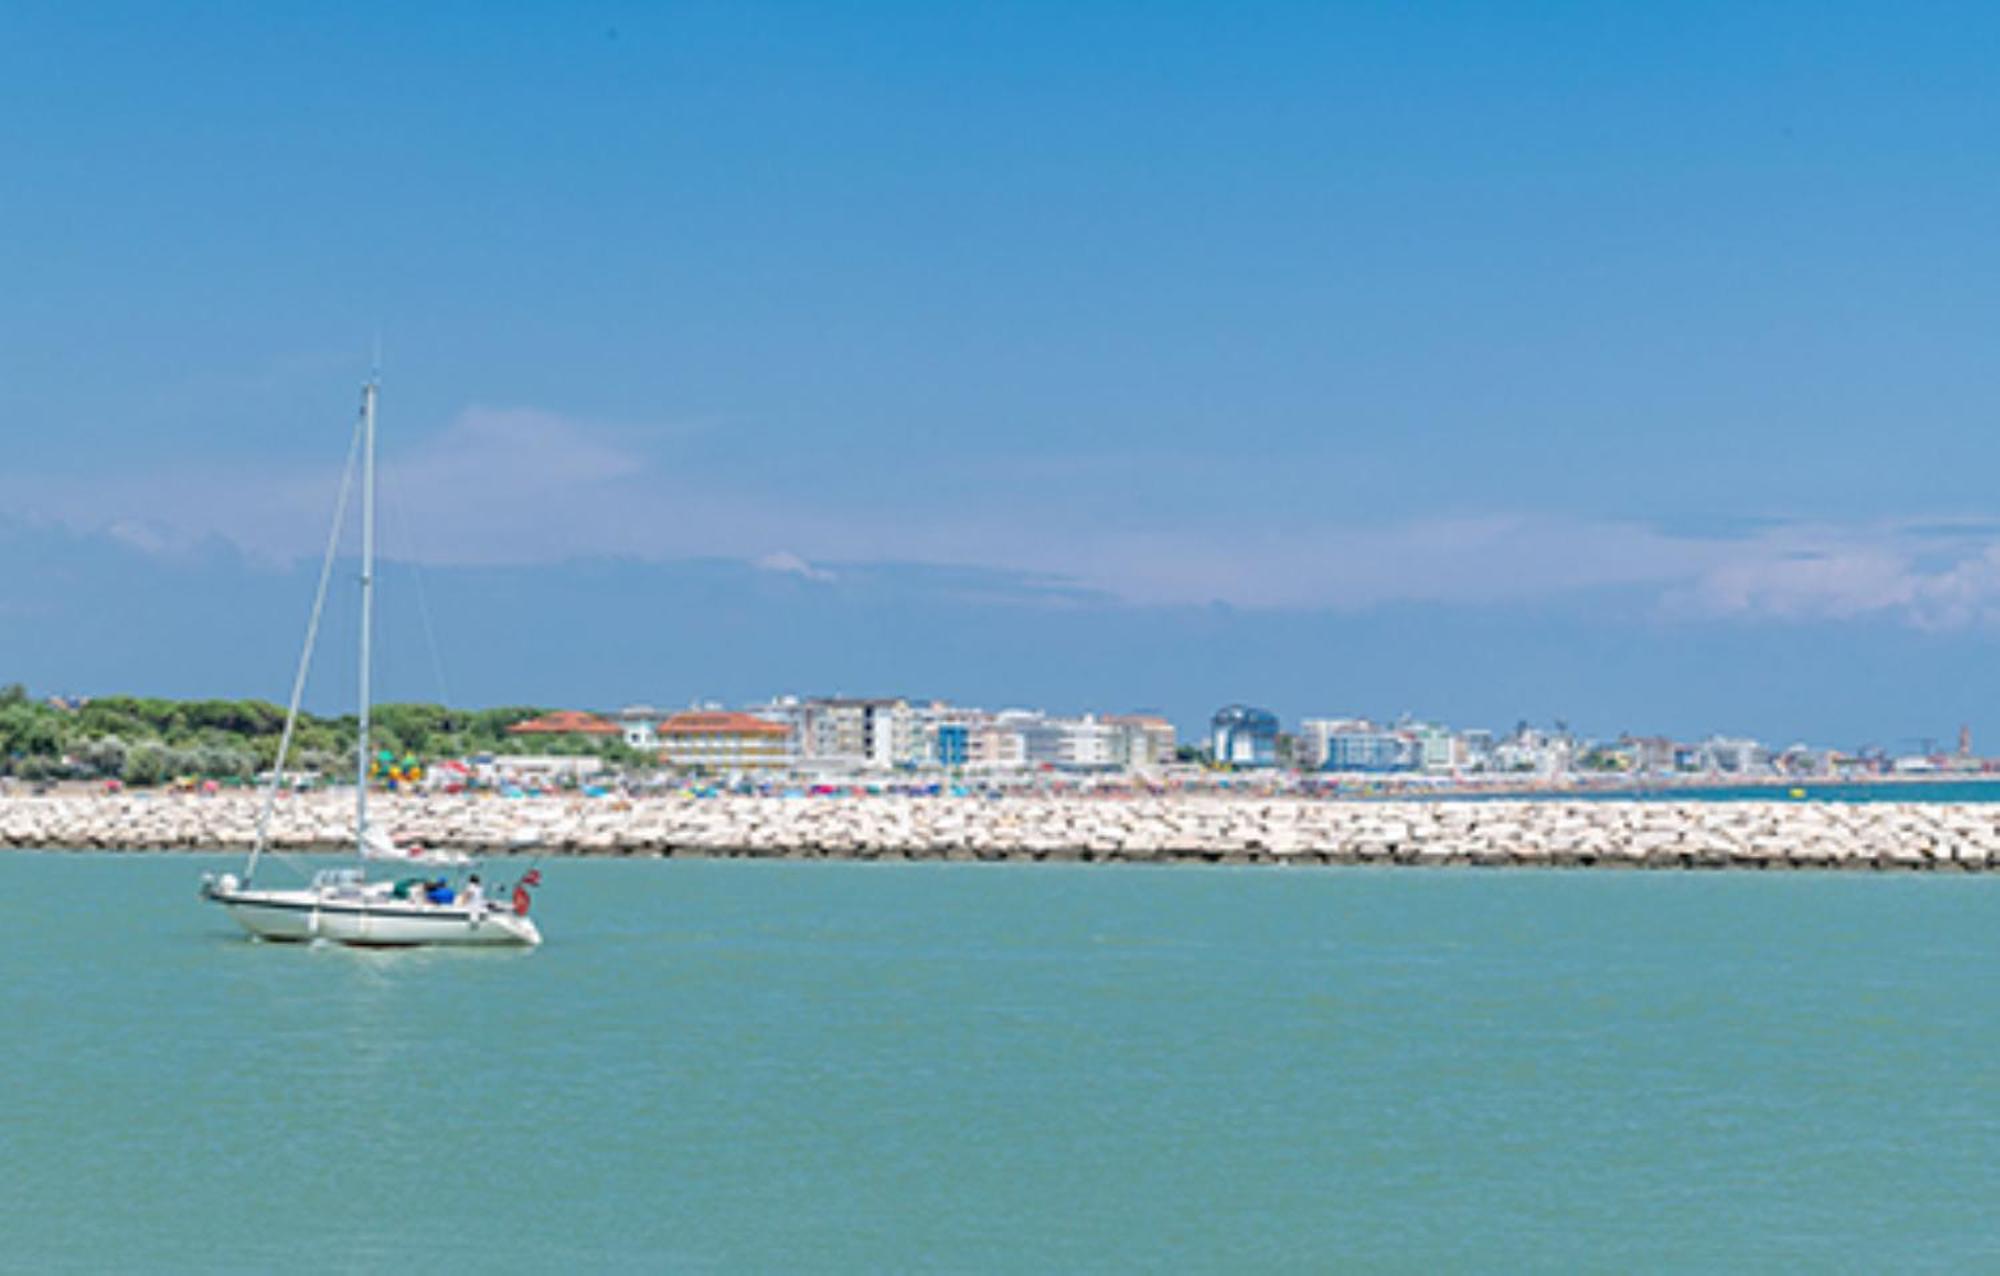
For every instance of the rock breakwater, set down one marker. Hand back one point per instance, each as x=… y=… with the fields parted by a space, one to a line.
x=1762 y=835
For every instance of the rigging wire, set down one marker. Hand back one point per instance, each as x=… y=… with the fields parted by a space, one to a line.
x=398 y=515
x=264 y=813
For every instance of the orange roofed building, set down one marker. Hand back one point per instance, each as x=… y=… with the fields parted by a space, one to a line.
x=714 y=740
x=566 y=722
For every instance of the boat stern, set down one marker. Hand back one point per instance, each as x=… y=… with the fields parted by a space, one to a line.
x=517 y=927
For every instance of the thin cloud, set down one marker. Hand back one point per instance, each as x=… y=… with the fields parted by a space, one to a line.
x=516 y=486
x=1838 y=574
x=495 y=486
x=785 y=563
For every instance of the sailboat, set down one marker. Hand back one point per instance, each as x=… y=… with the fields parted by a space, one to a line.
x=344 y=905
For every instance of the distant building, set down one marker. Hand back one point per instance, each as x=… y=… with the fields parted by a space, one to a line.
x=1244 y=736
x=720 y=741
x=1145 y=742
x=1735 y=756
x=1375 y=749
x=1802 y=761
x=788 y=712
x=1653 y=754
x=1072 y=744
x=1529 y=751
x=952 y=744
x=637 y=721
x=1000 y=742
x=1477 y=746
x=1433 y=748
x=870 y=734
x=1356 y=744
x=570 y=722
x=1316 y=735
x=941 y=734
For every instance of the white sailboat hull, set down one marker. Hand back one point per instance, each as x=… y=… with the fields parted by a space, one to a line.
x=378 y=922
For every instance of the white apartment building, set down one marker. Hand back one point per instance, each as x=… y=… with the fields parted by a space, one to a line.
x=1437 y=749
x=1531 y=751
x=992 y=746
x=1073 y=744
x=1734 y=756
x=866 y=734
x=1145 y=742
x=848 y=734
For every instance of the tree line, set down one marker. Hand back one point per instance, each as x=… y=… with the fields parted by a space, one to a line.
x=148 y=740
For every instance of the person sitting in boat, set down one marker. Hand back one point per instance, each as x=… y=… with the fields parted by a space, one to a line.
x=437 y=892
x=473 y=896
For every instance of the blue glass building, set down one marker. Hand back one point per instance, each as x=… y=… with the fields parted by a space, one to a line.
x=953 y=744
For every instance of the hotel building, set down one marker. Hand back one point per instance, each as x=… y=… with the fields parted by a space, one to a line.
x=716 y=742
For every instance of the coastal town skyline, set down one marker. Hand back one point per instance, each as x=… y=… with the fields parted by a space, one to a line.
x=838 y=735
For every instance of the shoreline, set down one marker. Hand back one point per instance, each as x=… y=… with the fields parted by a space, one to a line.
x=1204 y=829
x=1247 y=785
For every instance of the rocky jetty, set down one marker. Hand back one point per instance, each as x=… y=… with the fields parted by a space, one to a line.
x=1167 y=829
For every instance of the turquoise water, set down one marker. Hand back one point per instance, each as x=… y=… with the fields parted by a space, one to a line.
x=1987 y=790
x=862 y=1068
x=1810 y=791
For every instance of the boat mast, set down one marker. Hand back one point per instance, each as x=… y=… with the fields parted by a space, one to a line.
x=367 y=606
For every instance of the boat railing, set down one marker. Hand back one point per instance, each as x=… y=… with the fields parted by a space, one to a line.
x=339 y=881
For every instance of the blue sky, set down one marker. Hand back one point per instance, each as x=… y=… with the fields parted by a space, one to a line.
x=1626 y=364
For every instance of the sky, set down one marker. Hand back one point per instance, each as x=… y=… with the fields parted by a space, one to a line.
x=1630 y=366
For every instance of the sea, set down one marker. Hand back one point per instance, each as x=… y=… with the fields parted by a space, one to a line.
x=750 y=1066
x=1971 y=790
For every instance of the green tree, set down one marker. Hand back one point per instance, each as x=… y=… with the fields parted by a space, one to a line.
x=29 y=730
x=104 y=756
x=147 y=764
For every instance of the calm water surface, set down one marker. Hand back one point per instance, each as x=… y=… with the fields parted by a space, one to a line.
x=864 y=1068
x=1977 y=790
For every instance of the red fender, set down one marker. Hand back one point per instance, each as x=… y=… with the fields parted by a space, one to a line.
x=521 y=901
